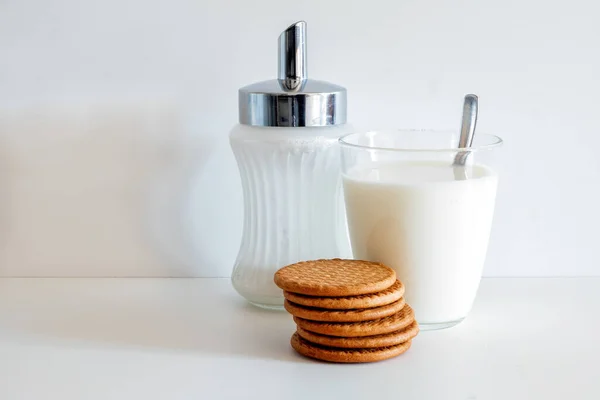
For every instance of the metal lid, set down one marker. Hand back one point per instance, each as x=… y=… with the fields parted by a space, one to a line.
x=292 y=99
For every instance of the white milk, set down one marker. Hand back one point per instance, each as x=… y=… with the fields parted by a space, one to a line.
x=432 y=229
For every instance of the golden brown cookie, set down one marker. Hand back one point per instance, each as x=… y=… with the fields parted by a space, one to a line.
x=356 y=315
x=394 y=322
x=335 y=277
x=387 y=339
x=333 y=354
x=387 y=296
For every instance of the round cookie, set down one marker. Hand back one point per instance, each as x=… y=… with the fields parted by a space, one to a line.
x=394 y=322
x=333 y=354
x=335 y=277
x=387 y=339
x=387 y=296
x=357 y=315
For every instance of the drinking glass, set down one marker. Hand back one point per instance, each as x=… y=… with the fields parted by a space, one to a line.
x=411 y=207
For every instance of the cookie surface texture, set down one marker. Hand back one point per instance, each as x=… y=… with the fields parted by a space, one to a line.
x=394 y=322
x=378 y=299
x=333 y=354
x=335 y=277
x=384 y=340
x=355 y=315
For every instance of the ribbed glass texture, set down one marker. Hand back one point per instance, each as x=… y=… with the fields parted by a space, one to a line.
x=292 y=204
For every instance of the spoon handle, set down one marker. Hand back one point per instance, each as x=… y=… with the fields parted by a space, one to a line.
x=467 y=129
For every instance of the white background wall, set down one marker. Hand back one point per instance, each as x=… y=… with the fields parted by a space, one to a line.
x=114 y=116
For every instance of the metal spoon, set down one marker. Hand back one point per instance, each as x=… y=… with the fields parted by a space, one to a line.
x=467 y=132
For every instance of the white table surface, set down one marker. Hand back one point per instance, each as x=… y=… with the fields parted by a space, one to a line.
x=196 y=339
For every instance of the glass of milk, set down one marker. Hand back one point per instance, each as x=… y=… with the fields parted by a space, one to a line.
x=410 y=208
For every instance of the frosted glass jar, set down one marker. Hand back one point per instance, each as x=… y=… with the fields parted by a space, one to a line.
x=286 y=147
x=293 y=206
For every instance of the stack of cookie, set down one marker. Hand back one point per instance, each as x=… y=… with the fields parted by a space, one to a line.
x=347 y=310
